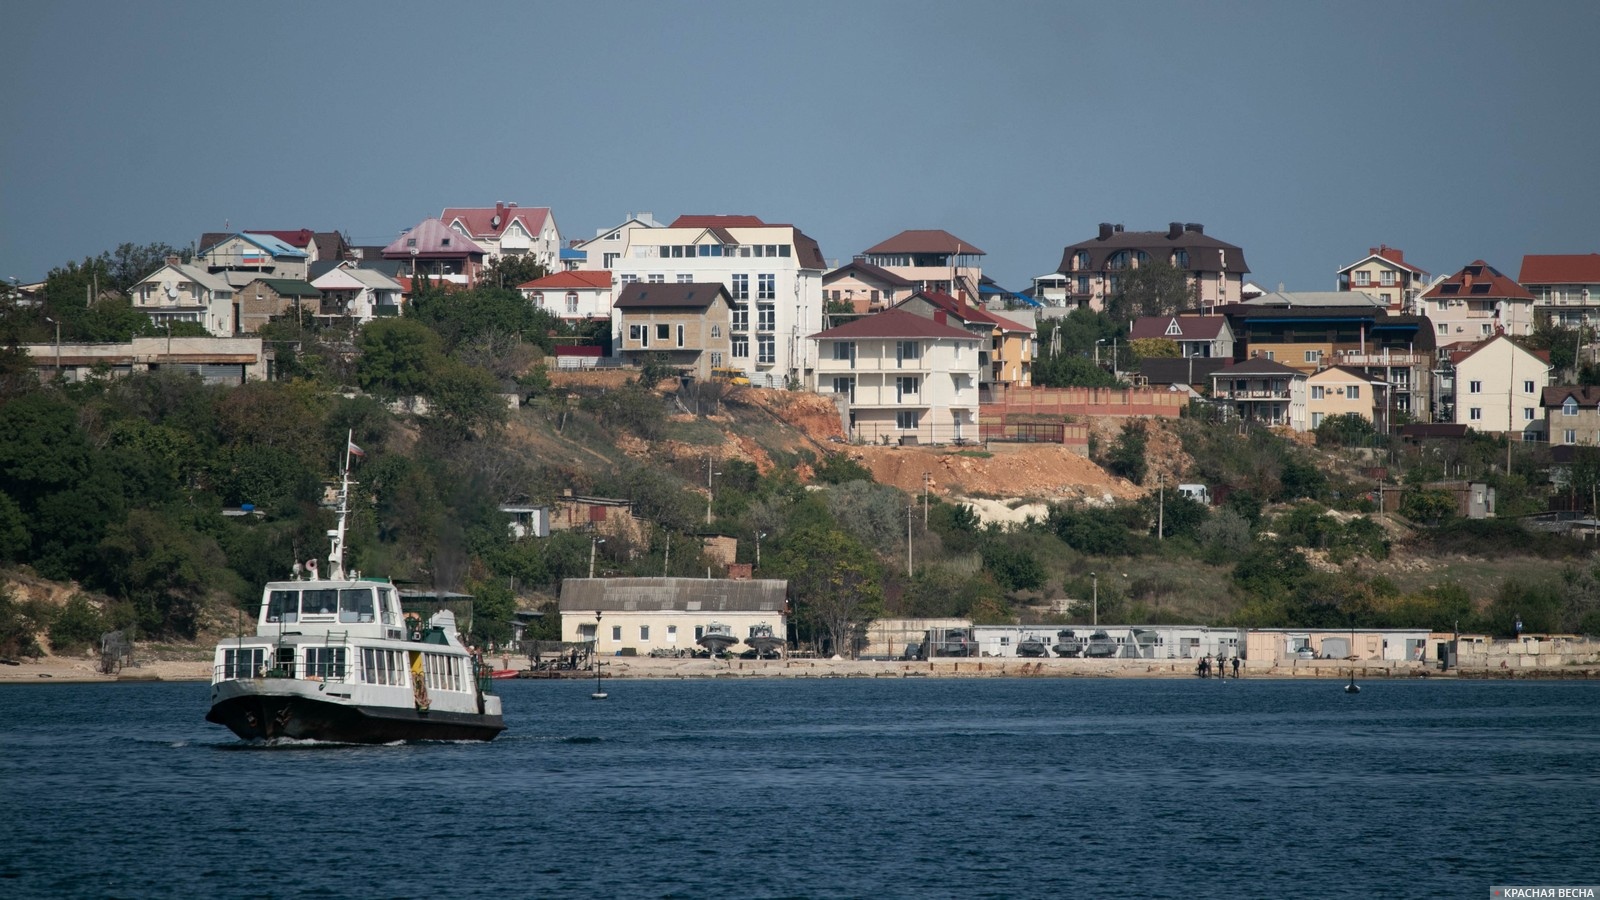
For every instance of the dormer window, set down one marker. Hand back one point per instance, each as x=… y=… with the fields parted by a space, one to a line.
x=444 y=242
x=411 y=242
x=1569 y=407
x=1180 y=259
x=1080 y=262
x=1118 y=260
x=1173 y=330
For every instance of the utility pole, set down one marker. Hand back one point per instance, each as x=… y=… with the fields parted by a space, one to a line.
x=1095 y=614
x=593 y=543
x=926 y=477
x=709 y=495
x=909 y=510
x=1161 y=506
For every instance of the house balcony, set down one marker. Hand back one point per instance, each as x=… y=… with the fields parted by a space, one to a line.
x=1253 y=394
x=1383 y=358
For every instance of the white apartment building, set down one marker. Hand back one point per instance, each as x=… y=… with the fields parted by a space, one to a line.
x=773 y=274
x=906 y=378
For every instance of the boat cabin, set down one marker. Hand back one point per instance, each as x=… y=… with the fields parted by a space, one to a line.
x=361 y=608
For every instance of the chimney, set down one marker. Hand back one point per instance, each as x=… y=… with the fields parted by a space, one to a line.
x=1105 y=231
x=1174 y=231
x=940 y=317
x=500 y=208
x=1195 y=227
x=1375 y=251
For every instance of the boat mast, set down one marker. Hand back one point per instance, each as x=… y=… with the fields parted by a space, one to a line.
x=336 y=551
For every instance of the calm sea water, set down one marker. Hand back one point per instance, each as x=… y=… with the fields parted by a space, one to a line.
x=822 y=788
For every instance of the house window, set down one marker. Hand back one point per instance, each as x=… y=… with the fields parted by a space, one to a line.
x=610 y=259
x=614 y=236
x=716 y=330
x=1316 y=419
x=906 y=386
x=741 y=318
x=672 y=634
x=739 y=348
x=766 y=350
x=1313 y=356
x=1387 y=279
x=1080 y=261
x=1474 y=387
x=845 y=350
x=1117 y=260
x=680 y=335
x=741 y=287
x=1527 y=414
x=572 y=302
x=1475 y=414
x=644 y=632
x=636 y=333
x=906 y=419
x=1363 y=279
x=1180 y=259
x=1316 y=392
x=846 y=385
x=874 y=296
x=663 y=332
x=907 y=351
x=766 y=287
x=1268 y=354
x=1083 y=284
x=685 y=278
x=628 y=279
x=538 y=299
x=1486 y=328
x=658 y=278
x=716 y=359
x=1570 y=407
x=1444 y=329
x=616 y=632
x=1527 y=387
x=1353 y=392
x=766 y=317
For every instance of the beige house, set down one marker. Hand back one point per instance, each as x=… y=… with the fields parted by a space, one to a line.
x=1206 y=337
x=904 y=378
x=1498 y=386
x=602 y=251
x=932 y=260
x=1572 y=414
x=1094 y=268
x=1385 y=274
x=1282 y=646
x=866 y=287
x=1477 y=302
x=183 y=293
x=258 y=252
x=576 y=296
x=633 y=616
x=507 y=229
x=688 y=325
x=216 y=360
x=1337 y=391
x=358 y=293
x=264 y=299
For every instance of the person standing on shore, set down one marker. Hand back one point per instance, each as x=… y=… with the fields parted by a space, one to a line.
x=1236 y=667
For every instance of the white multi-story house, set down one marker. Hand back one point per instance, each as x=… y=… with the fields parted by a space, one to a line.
x=361 y=294
x=1386 y=275
x=602 y=251
x=577 y=296
x=904 y=377
x=1261 y=390
x=507 y=229
x=1565 y=286
x=1477 y=302
x=1498 y=386
x=773 y=274
x=932 y=260
x=179 y=293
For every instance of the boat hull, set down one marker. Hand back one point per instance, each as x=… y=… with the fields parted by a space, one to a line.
x=255 y=716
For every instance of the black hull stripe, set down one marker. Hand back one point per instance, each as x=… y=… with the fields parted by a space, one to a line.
x=267 y=717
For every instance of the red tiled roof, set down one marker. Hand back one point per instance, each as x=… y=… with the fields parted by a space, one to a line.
x=300 y=238
x=1467 y=284
x=963 y=311
x=1392 y=254
x=578 y=278
x=895 y=323
x=1463 y=351
x=717 y=222
x=430 y=236
x=479 y=221
x=1560 y=268
x=927 y=241
x=1194 y=328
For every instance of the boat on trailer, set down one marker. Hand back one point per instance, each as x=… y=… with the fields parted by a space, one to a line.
x=334 y=659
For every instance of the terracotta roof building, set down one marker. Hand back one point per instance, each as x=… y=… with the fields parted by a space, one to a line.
x=1384 y=273
x=1566 y=286
x=438 y=251
x=1478 y=302
x=933 y=260
x=507 y=229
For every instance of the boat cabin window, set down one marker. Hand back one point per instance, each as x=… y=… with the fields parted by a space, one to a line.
x=325 y=662
x=386 y=605
x=355 y=605
x=244 y=662
x=283 y=606
x=320 y=602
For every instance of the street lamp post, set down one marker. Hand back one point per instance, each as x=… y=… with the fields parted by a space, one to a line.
x=1095 y=609
x=709 y=495
x=58 y=344
x=759 y=536
x=926 y=478
x=909 y=510
x=594 y=542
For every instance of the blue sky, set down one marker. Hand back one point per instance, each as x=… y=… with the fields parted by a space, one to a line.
x=1303 y=132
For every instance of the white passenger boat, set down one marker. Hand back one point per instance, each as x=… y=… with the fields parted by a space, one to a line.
x=332 y=659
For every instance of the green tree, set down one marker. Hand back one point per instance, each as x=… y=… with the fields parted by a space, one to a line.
x=1154 y=348
x=77 y=627
x=1346 y=430
x=508 y=271
x=398 y=357
x=839 y=468
x=1014 y=568
x=1426 y=505
x=464 y=400
x=1152 y=289
x=835 y=581
x=1126 y=457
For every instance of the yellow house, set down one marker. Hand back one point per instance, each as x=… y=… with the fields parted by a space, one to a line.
x=687 y=324
x=1337 y=391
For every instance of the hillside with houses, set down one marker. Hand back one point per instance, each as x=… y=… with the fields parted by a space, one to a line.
x=1139 y=434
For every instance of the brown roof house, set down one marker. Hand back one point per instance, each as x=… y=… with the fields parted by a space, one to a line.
x=1260 y=390
x=687 y=325
x=1201 y=336
x=438 y=251
x=1094 y=268
x=866 y=287
x=1386 y=275
x=1564 y=286
x=1572 y=414
x=933 y=260
x=1478 y=302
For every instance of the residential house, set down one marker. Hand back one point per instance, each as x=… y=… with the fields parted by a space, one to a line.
x=1396 y=350
x=1190 y=372
x=1005 y=354
x=264 y=299
x=902 y=376
x=866 y=287
x=607 y=246
x=773 y=274
x=1054 y=289
x=215 y=360
x=635 y=616
x=1095 y=267
x=1572 y=414
x=176 y=292
x=687 y=325
x=438 y=251
x=1564 y=286
x=1337 y=391
x=1260 y=390
x=357 y=292
x=1385 y=273
x=573 y=259
x=318 y=246
x=1497 y=386
x=507 y=229
x=932 y=260
x=1477 y=302
x=575 y=296
x=255 y=253
x=1206 y=337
